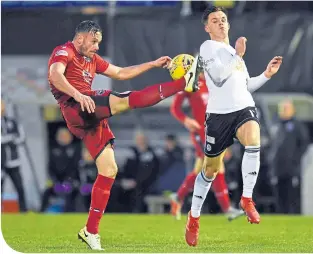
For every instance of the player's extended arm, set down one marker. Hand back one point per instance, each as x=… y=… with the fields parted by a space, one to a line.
x=57 y=78
x=255 y=83
x=176 y=107
x=124 y=73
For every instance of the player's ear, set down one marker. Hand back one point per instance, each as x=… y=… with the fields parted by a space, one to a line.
x=206 y=28
x=228 y=25
x=80 y=38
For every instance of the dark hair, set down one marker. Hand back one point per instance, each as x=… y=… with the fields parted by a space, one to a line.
x=88 y=26
x=171 y=137
x=209 y=10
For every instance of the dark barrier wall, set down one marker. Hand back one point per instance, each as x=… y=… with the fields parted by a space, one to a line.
x=138 y=40
x=40 y=31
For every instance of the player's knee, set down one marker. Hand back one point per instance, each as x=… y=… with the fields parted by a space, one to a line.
x=253 y=140
x=210 y=169
x=108 y=171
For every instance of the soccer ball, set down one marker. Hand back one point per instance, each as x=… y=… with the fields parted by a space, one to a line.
x=179 y=65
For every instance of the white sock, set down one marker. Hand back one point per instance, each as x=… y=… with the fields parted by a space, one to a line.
x=200 y=191
x=250 y=169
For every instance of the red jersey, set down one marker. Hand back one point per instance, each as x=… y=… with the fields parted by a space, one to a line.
x=197 y=102
x=80 y=70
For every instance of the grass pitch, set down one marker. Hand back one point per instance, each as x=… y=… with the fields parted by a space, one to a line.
x=158 y=233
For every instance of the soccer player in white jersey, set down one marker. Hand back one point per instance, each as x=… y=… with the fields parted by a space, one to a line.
x=230 y=114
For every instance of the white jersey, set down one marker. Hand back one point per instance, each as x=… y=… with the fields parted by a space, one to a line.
x=227 y=78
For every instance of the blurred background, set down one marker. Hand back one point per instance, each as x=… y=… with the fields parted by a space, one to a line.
x=44 y=168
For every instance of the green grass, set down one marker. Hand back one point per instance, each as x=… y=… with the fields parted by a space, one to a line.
x=158 y=233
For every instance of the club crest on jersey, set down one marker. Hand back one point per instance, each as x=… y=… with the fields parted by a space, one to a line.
x=87 y=59
x=87 y=76
x=61 y=53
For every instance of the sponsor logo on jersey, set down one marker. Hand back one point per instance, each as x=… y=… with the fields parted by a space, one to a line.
x=210 y=139
x=87 y=76
x=61 y=53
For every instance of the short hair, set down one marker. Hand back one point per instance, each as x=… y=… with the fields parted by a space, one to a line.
x=171 y=137
x=88 y=26
x=210 y=10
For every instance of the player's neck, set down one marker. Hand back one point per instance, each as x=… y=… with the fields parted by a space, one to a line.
x=224 y=40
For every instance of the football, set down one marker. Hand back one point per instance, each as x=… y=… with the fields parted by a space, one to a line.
x=179 y=65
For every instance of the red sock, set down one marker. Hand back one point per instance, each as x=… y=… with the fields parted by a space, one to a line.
x=221 y=192
x=186 y=186
x=99 y=198
x=151 y=95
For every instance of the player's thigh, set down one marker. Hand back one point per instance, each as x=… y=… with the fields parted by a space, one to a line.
x=198 y=164
x=110 y=103
x=106 y=163
x=119 y=102
x=248 y=129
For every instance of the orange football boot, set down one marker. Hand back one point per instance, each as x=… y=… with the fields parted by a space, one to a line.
x=192 y=230
x=175 y=206
x=248 y=206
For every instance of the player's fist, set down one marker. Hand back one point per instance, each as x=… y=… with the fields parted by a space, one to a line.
x=163 y=61
x=273 y=66
x=85 y=102
x=191 y=124
x=240 y=46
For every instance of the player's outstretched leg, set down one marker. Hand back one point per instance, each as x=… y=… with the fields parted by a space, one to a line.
x=115 y=103
x=203 y=182
x=107 y=170
x=249 y=136
x=154 y=94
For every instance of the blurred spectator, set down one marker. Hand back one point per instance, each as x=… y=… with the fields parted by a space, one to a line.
x=88 y=173
x=173 y=152
x=139 y=175
x=64 y=157
x=290 y=143
x=12 y=136
x=173 y=166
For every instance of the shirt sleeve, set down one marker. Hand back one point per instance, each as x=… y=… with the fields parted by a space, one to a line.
x=62 y=55
x=220 y=63
x=176 y=107
x=101 y=65
x=255 y=83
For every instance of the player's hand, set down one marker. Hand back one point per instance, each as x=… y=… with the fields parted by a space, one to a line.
x=191 y=124
x=85 y=102
x=240 y=46
x=273 y=66
x=163 y=61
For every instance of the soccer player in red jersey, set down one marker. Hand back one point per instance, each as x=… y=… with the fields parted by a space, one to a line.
x=197 y=102
x=72 y=67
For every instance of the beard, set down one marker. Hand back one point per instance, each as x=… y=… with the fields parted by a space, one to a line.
x=83 y=50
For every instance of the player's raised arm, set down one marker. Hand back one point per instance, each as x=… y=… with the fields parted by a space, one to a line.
x=124 y=73
x=272 y=68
